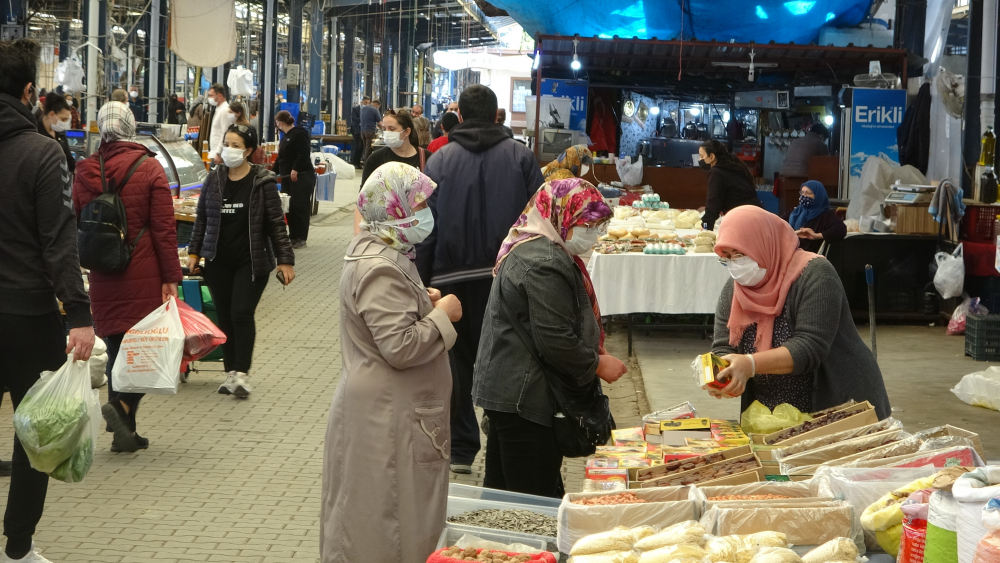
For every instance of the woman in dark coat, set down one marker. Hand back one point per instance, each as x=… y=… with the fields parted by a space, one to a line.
x=175 y=110
x=730 y=183
x=813 y=220
x=298 y=178
x=119 y=300
x=240 y=231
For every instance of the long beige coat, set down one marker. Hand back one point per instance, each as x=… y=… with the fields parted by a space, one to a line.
x=385 y=470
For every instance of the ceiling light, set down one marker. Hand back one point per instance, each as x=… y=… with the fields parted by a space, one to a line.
x=828 y=120
x=695 y=111
x=655 y=110
x=575 y=65
x=538 y=58
x=726 y=116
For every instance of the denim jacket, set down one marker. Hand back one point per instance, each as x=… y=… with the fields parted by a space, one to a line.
x=544 y=289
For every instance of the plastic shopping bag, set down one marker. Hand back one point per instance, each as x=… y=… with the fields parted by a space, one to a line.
x=629 y=172
x=950 y=274
x=980 y=389
x=149 y=360
x=914 y=538
x=758 y=419
x=968 y=305
x=58 y=422
x=988 y=549
x=240 y=82
x=201 y=336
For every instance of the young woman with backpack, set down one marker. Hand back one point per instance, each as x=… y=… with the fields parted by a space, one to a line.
x=240 y=232
x=120 y=298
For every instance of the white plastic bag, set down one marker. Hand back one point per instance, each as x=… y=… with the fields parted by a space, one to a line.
x=240 y=82
x=973 y=491
x=149 y=360
x=344 y=170
x=950 y=276
x=629 y=172
x=69 y=75
x=980 y=389
x=58 y=422
x=98 y=370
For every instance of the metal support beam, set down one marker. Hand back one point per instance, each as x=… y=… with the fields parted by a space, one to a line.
x=268 y=86
x=63 y=40
x=972 y=130
x=91 y=32
x=157 y=59
x=332 y=74
x=295 y=47
x=315 y=59
x=347 y=94
x=369 y=87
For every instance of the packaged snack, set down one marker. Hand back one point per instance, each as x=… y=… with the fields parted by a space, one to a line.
x=776 y=555
x=723 y=548
x=619 y=539
x=706 y=369
x=607 y=557
x=690 y=533
x=628 y=436
x=838 y=549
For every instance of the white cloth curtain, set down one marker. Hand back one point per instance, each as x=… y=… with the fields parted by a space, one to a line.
x=945 y=154
x=203 y=32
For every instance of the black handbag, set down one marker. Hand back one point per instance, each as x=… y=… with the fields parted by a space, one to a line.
x=583 y=420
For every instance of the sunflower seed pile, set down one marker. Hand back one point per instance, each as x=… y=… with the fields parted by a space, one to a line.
x=521 y=521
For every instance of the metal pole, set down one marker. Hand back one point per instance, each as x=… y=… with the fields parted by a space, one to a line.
x=870 y=278
x=315 y=59
x=270 y=33
x=153 y=72
x=93 y=33
x=538 y=96
x=334 y=75
x=987 y=87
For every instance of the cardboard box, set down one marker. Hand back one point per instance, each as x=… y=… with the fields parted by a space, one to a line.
x=853 y=448
x=686 y=424
x=863 y=414
x=802 y=526
x=777 y=452
x=912 y=220
x=678 y=437
x=667 y=506
x=648 y=474
x=949 y=430
x=686 y=475
x=796 y=491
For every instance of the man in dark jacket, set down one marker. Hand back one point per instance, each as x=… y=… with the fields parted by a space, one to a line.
x=357 y=146
x=38 y=264
x=484 y=180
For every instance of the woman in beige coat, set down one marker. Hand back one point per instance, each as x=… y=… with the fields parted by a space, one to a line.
x=385 y=470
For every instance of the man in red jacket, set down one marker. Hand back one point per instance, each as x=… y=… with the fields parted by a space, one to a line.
x=122 y=299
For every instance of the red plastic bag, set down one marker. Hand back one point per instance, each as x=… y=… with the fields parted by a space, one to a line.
x=914 y=538
x=201 y=336
x=436 y=557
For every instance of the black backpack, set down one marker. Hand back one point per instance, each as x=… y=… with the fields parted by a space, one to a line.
x=103 y=226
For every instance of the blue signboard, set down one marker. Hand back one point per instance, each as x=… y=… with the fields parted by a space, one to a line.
x=576 y=90
x=875 y=117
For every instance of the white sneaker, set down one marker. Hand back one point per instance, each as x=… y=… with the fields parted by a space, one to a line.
x=229 y=384
x=32 y=557
x=241 y=388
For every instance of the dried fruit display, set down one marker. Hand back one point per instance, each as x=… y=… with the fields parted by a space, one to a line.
x=711 y=472
x=516 y=520
x=748 y=497
x=811 y=425
x=605 y=500
x=680 y=465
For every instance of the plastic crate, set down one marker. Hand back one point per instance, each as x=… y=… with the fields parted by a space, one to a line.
x=495 y=495
x=982 y=337
x=978 y=222
x=460 y=505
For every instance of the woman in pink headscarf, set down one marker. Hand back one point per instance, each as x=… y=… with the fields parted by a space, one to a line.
x=784 y=322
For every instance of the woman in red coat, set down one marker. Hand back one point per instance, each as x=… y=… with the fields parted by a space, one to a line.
x=119 y=300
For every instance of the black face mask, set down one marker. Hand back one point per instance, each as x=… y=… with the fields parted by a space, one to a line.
x=704 y=165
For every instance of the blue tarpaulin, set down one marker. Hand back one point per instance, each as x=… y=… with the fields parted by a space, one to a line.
x=744 y=21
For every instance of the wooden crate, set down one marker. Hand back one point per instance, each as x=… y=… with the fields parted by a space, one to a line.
x=913 y=220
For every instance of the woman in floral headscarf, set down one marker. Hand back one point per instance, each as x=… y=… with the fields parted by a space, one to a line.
x=540 y=276
x=385 y=470
x=574 y=162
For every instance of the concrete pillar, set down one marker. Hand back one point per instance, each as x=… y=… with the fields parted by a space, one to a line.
x=268 y=85
x=315 y=59
x=63 y=40
x=347 y=94
x=295 y=46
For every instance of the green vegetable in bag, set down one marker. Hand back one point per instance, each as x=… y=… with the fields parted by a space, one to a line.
x=74 y=469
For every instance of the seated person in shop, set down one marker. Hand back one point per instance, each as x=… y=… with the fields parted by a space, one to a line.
x=574 y=162
x=784 y=324
x=813 y=220
x=800 y=150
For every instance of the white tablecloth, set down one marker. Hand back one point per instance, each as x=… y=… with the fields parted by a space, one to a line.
x=651 y=283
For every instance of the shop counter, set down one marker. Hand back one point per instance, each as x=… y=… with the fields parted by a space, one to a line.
x=682 y=188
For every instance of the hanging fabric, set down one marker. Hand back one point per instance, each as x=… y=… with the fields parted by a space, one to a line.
x=203 y=32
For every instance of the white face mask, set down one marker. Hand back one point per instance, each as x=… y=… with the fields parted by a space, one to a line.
x=420 y=226
x=60 y=126
x=746 y=271
x=213 y=102
x=584 y=238
x=233 y=157
x=134 y=94
x=393 y=139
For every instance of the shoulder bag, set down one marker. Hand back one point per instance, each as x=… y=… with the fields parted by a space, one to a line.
x=583 y=418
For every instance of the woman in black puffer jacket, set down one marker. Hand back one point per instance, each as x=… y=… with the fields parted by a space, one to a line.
x=240 y=231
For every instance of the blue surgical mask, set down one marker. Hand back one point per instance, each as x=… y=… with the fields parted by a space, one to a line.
x=806 y=201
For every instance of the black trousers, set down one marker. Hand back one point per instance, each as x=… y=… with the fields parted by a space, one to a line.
x=235 y=294
x=522 y=456
x=357 y=150
x=474 y=296
x=31 y=345
x=114 y=343
x=300 y=206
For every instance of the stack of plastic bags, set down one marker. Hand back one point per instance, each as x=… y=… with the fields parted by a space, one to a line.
x=58 y=422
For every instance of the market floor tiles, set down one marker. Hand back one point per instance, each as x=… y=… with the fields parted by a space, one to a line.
x=231 y=480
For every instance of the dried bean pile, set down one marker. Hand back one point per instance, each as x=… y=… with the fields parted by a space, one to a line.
x=486 y=555
x=603 y=500
x=748 y=497
x=811 y=425
x=521 y=521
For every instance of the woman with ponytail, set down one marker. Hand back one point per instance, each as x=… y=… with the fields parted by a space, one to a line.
x=730 y=183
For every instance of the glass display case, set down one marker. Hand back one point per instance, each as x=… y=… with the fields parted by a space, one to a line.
x=183 y=165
